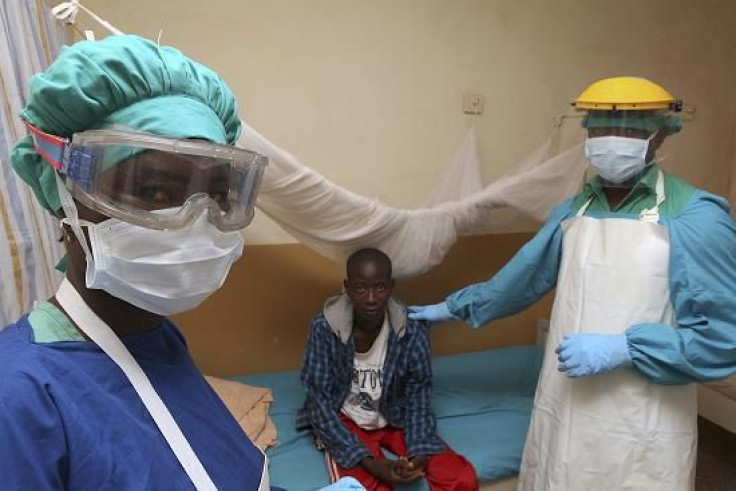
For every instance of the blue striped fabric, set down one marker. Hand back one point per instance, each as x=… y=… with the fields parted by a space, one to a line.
x=29 y=248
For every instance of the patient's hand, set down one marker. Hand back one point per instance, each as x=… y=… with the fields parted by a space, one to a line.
x=393 y=472
x=414 y=468
x=418 y=464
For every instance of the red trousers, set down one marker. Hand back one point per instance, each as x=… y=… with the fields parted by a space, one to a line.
x=447 y=471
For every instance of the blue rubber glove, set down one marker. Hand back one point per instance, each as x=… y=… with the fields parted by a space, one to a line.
x=345 y=484
x=431 y=313
x=586 y=354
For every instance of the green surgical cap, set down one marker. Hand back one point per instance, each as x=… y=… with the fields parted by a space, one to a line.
x=650 y=121
x=122 y=82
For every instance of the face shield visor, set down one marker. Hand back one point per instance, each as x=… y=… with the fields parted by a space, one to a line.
x=157 y=182
x=629 y=124
x=619 y=143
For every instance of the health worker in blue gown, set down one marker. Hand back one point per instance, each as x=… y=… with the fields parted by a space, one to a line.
x=645 y=270
x=131 y=147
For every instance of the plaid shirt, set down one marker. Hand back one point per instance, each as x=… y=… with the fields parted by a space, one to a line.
x=407 y=389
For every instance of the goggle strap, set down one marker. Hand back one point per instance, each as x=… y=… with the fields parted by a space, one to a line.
x=76 y=164
x=50 y=147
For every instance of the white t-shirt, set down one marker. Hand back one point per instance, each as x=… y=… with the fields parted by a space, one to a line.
x=361 y=405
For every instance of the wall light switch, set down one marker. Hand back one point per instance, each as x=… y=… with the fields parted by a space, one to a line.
x=472 y=104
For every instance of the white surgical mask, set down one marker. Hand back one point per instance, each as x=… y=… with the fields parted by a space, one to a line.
x=162 y=271
x=616 y=158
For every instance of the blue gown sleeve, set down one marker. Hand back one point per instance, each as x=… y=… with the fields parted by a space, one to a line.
x=33 y=443
x=702 y=272
x=531 y=273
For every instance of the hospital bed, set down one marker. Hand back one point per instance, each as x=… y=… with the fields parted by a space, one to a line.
x=482 y=402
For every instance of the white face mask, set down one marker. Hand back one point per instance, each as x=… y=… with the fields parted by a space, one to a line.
x=162 y=271
x=617 y=158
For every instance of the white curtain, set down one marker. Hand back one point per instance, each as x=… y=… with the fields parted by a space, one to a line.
x=29 y=38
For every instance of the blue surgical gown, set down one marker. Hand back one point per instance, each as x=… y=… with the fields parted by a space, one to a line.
x=69 y=418
x=702 y=271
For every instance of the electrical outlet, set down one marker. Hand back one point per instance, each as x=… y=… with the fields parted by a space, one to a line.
x=473 y=104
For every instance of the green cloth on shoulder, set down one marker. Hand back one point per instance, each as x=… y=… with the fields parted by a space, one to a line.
x=51 y=325
x=641 y=197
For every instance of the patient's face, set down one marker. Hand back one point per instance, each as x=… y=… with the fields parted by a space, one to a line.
x=369 y=286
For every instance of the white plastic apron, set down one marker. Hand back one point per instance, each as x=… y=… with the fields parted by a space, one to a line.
x=617 y=430
x=101 y=334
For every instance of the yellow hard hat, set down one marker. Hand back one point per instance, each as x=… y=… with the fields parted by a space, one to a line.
x=626 y=94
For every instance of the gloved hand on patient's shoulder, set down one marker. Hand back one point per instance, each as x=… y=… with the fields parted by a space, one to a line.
x=432 y=313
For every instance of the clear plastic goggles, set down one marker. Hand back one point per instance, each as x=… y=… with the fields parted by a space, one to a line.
x=157 y=182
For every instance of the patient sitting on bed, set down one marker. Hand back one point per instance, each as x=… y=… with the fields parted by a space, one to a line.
x=368 y=379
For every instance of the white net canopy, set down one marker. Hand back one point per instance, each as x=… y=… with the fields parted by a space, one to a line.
x=336 y=222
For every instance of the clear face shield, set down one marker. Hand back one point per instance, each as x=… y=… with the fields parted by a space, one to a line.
x=622 y=144
x=157 y=182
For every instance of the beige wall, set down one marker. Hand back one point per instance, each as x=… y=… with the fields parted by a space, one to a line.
x=369 y=92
